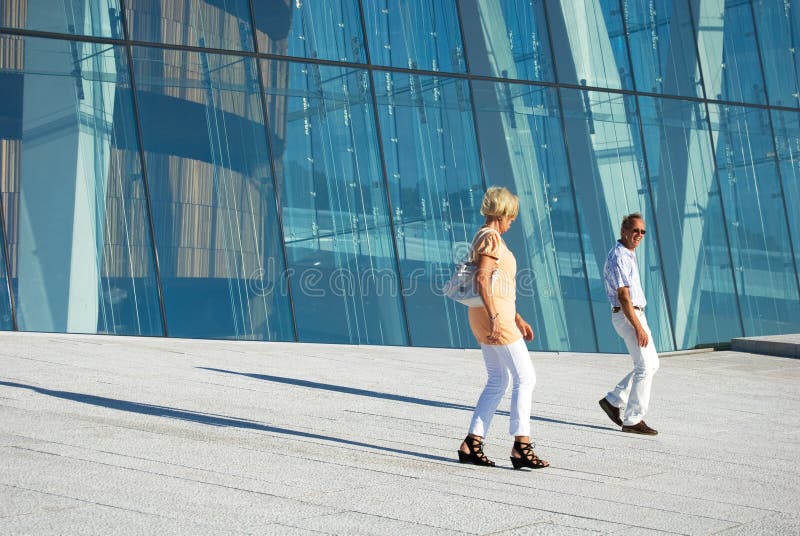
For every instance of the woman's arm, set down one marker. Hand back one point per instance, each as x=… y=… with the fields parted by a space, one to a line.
x=483 y=283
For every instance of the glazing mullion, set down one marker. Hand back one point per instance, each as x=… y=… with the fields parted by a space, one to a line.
x=143 y=163
x=7 y=268
x=775 y=152
x=572 y=181
x=646 y=172
x=276 y=197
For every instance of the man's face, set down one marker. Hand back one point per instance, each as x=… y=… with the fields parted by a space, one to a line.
x=632 y=237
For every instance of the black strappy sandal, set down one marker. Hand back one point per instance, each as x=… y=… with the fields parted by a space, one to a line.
x=475 y=455
x=527 y=457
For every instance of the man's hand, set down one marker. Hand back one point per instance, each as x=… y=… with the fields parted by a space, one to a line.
x=641 y=335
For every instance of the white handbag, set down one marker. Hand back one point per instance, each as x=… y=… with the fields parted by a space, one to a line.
x=461 y=287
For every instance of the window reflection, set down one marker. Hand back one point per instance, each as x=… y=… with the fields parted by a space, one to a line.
x=214 y=211
x=335 y=216
x=778 y=24
x=73 y=197
x=611 y=181
x=6 y=316
x=435 y=189
x=787 y=143
x=756 y=220
x=221 y=24
x=522 y=148
x=692 y=235
x=414 y=34
x=507 y=38
x=98 y=18
x=325 y=29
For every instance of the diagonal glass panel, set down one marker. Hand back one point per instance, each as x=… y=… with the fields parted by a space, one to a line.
x=214 y=209
x=778 y=27
x=589 y=45
x=338 y=236
x=787 y=142
x=691 y=226
x=6 y=315
x=98 y=18
x=324 y=29
x=756 y=220
x=435 y=189
x=610 y=181
x=522 y=147
x=507 y=38
x=73 y=195
x=414 y=34
x=662 y=47
x=221 y=24
x=728 y=50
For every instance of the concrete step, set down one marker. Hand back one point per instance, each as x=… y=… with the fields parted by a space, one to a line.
x=779 y=345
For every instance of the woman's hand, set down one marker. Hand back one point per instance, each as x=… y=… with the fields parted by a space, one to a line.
x=524 y=328
x=494 y=323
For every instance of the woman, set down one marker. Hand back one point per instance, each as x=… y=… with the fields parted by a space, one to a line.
x=500 y=332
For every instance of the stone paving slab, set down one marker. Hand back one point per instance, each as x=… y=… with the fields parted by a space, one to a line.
x=122 y=435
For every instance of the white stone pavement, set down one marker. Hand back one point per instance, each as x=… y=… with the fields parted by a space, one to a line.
x=116 y=435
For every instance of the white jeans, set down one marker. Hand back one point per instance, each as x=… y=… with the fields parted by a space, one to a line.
x=632 y=393
x=501 y=361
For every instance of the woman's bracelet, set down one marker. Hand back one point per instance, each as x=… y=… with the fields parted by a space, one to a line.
x=494 y=316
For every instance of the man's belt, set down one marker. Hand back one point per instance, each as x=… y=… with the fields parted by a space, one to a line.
x=618 y=309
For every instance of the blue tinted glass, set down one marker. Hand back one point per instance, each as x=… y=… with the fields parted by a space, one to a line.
x=756 y=220
x=507 y=38
x=662 y=47
x=75 y=209
x=589 y=43
x=435 y=188
x=214 y=210
x=787 y=142
x=338 y=236
x=610 y=181
x=522 y=147
x=325 y=29
x=221 y=24
x=98 y=18
x=691 y=228
x=778 y=25
x=6 y=318
x=728 y=51
x=414 y=34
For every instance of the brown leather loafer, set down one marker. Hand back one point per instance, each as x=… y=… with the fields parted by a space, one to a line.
x=611 y=411
x=639 y=428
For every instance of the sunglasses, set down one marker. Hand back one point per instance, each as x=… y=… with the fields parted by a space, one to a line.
x=639 y=231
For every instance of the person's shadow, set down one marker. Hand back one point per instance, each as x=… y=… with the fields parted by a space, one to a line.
x=210 y=419
x=387 y=396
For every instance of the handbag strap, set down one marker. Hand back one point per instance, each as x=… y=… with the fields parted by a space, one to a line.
x=480 y=234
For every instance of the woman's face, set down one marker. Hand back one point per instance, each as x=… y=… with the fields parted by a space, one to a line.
x=505 y=222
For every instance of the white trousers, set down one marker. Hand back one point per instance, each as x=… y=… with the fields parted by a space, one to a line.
x=632 y=393
x=501 y=362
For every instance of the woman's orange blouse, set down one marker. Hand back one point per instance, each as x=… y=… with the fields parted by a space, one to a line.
x=503 y=290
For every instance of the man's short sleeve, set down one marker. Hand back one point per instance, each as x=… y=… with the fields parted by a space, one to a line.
x=618 y=273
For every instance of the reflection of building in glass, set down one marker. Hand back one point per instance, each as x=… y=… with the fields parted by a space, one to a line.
x=309 y=170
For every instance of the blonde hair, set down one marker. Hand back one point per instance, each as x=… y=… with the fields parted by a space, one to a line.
x=627 y=221
x=498 y=201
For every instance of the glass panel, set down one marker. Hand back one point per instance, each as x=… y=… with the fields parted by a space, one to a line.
x=414 y=34
x=610 y=181
x=787 y=141
x=98 y=18
x=728 y=50
x=223 y=24
x=662 y=47
x=73 y=196
x=756 y=220
x=507 y=38
x=589 y=43
x=6 y=317
x=325 y=29
x=335 y=215
x=523 y=149
x=436 y=190
x=778 y=25
x=214 y=210
x=691 y=228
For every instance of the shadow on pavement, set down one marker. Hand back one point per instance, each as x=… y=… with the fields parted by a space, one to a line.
x=388 y=396
x=208 y=418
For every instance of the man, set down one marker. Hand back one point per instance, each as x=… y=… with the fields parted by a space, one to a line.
x=631 y=396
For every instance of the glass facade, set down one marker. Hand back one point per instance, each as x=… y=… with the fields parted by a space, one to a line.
x=310 y=170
